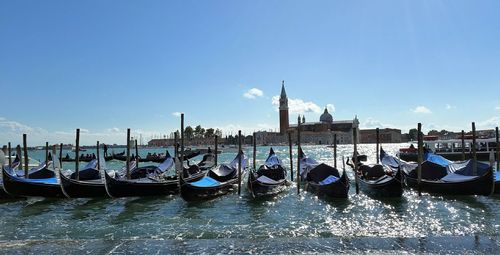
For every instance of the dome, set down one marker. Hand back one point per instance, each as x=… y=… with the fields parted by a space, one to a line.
x=326 y=117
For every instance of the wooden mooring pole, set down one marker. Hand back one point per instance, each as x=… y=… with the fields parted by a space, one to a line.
x=290 y=147
x=128 y=154
x=77 y=155
x=26 y=160
x=240 y=155
x=419 y=158
x=298 y=156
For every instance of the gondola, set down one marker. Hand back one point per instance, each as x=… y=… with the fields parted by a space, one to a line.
x=379 y=180
x=322 y=179
x=441 y=176
x=88 y=184
x=219 y=181
x=269 y=179
x=42 y=182
x=160 y=159
x=150 y=180
x=67 y=158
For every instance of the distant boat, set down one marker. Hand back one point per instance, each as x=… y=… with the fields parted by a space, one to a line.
x=74 y=149
x=452 y=149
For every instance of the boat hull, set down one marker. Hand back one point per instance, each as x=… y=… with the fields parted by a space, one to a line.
x=14 y=186
x=193 y=193
x=81 y=189
x=389 y=187
x=481 y=156
x=338 y=189
x=479 y=186
x=262 y=190
x=131 y=188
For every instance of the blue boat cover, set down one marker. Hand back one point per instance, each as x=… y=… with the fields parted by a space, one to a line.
x=205 y=182
x=328 y=180
x=44 y=181
x=434 y=158
x=272 y=160
x=466 y=168
x=453 y=177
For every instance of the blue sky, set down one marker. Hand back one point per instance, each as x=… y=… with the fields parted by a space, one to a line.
x=103 y=66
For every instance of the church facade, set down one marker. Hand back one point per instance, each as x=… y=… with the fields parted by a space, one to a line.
x=321 y=132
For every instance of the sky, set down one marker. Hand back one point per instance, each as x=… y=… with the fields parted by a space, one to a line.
x=105 y=66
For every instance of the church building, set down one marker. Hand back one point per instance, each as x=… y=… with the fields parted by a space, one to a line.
x=321 y=132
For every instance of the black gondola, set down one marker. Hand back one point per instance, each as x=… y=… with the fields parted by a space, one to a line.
x=45 y=186
x=218 y=181
x=89 y=183
x=67 y=158
x=159 y=159
x=380 y=180
x=269 y=179
x=322 y=179
x=150 y=181
x=441 y=176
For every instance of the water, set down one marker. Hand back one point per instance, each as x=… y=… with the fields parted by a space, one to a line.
x=289 y=223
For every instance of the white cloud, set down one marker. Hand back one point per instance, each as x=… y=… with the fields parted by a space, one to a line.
x=13 y=126
x=371 y=123
x=84 y=131
x=253 y=93
x=421 y=109
x=176 y=114
x=497 y=108
x=330 y=107
x=114 y=130
x=449 y=107
x=489 y=123
x=297 y=105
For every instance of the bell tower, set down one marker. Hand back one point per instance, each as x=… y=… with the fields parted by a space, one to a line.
x=284 y=122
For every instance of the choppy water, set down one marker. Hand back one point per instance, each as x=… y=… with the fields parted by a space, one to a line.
x=289 y=223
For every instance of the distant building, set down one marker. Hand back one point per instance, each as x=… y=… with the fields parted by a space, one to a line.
x=284 y=121
x=386 y=135
x=322 y=132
